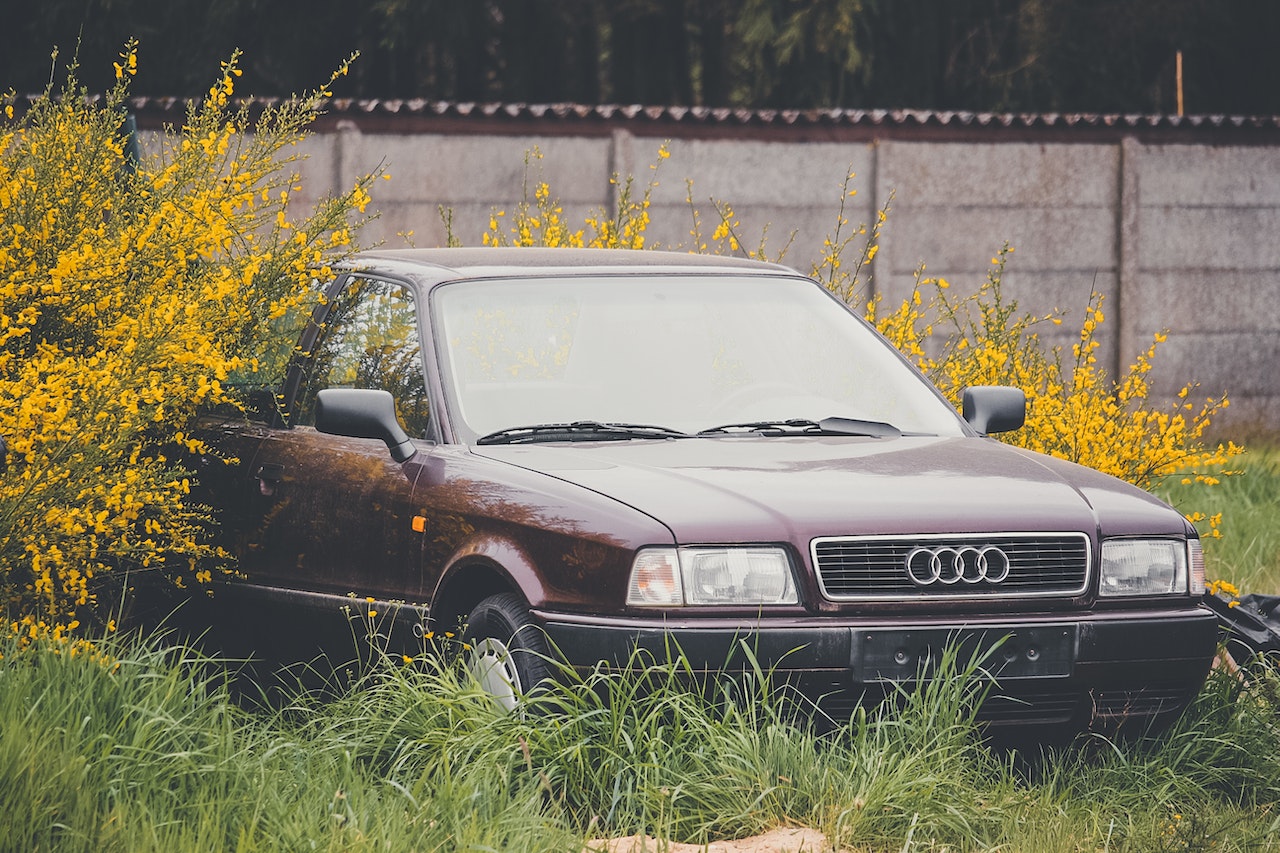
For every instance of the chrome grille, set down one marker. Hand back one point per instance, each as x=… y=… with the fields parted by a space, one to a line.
x=856 y=568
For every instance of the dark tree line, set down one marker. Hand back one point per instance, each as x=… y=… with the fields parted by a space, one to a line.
x=996 y=55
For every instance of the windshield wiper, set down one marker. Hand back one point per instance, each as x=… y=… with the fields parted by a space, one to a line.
x=803 y=426
x=578 y=431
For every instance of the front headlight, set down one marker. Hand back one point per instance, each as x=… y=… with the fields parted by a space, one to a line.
x=742 y=575
x=1143 y=567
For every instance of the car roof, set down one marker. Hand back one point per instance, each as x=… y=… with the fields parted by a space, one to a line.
x=503 y=261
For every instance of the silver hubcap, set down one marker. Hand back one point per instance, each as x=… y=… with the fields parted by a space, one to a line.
x=495 y=671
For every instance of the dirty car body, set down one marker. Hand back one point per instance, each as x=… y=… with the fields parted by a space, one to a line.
x=582 y=453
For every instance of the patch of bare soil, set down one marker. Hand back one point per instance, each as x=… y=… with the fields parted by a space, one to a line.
x=785 y=840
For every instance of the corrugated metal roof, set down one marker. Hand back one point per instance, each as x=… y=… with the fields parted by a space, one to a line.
x=420 y=115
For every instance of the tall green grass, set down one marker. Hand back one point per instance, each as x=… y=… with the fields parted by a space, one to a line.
x=156 y=755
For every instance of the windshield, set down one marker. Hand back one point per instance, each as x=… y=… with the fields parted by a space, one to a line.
x=687 y=353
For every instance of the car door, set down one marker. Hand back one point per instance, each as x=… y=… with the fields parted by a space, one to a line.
x=333 y=515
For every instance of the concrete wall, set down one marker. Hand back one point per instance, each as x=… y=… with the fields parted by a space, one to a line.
x=1178 y=237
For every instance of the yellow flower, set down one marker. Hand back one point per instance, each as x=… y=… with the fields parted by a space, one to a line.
x=1221 y=586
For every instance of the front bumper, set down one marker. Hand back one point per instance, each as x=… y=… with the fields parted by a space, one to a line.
x=1095 y=670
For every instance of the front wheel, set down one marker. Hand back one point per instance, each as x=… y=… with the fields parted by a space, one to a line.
x=507 y=652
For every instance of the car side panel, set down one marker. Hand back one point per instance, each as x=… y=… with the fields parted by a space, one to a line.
x=331 y=515
x=559 y=544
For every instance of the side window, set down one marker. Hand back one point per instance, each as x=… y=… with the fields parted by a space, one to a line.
x=260 y=381
x=370 y=340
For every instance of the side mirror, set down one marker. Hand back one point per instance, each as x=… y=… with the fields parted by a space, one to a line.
x=994 y=408
x=363 y=413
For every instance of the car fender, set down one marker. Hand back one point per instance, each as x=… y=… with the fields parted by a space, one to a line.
x=485 y=564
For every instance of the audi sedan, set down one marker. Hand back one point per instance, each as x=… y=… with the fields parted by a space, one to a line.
x=573 y=455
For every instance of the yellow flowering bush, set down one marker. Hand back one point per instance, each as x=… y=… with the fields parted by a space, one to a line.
x=541 y=221
x=1076 y=412
x=131 y=290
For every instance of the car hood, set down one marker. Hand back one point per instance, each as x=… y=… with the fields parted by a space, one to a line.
x=758 y=488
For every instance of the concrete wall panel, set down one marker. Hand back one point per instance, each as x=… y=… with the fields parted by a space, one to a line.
x=758 y=173
x=435 y=169
x=1196 y=175
x=1209 y=238
x=1240 y=364
x=966 y=238
x=1003 y=175
x=1190 y=301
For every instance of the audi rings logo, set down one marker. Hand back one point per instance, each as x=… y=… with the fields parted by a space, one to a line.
x=948 y=565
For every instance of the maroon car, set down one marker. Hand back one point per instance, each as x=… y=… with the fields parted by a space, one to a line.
x=582 y=453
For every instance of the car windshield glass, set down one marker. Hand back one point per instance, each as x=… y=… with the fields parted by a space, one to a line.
x=684 y=352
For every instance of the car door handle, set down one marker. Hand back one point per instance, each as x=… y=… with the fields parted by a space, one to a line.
x=269 y=476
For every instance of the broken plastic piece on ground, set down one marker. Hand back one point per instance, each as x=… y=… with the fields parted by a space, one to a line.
x=1251 y=624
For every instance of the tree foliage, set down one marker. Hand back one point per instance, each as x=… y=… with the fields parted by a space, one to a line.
x=996 y=55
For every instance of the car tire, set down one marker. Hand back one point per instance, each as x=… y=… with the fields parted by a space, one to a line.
x=506 y=650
